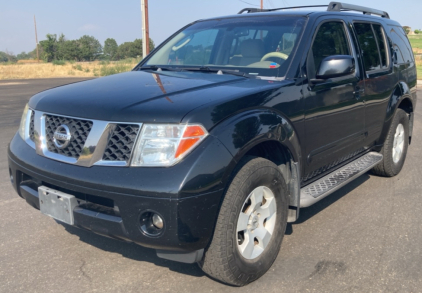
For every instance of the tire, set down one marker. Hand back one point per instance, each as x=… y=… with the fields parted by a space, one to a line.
x=223 y=259
x=392 y=164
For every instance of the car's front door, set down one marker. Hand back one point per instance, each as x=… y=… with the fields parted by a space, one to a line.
x=334 y=108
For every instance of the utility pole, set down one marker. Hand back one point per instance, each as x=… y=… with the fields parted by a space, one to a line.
x=36 y=39
x=145 y=28
x=262 y=7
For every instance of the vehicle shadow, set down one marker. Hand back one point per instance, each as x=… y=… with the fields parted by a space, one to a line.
x=132 y=251
x=307 y=213
x=139 y=253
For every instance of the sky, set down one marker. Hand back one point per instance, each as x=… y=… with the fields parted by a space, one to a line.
x=122 y=21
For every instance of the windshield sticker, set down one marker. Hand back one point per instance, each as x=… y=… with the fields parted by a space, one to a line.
x=273 y=65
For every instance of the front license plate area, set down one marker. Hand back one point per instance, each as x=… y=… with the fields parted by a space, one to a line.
x=57 y=204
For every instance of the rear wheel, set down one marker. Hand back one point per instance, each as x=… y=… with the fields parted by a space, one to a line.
x=250 y=226
x=395 y=146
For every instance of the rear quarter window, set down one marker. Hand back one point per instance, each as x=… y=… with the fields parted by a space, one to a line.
x=401 y=45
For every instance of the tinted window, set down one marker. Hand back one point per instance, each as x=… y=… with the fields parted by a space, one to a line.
x=379 y=33
x=368 y=45
x=401 y=45
x=330 y=40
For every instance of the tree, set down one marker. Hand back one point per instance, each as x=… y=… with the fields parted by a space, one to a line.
x=24 y=56
x=7 y=57
x=132 y=49
x=90 y=48
x=49 y=48
x=151 y=45
x=60 y=43
x=70 y=50
x=110 y=48
x=418 y=32
x=3 y=57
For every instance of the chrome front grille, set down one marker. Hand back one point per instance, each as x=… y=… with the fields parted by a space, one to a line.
x=78 y=128
x=87 y=142
x=31 y=127
x=120 y=144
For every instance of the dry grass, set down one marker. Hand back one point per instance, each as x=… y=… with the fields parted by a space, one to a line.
x=31 y=61
x=65 y=69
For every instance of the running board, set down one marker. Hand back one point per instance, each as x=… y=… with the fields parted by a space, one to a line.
x=319 y=189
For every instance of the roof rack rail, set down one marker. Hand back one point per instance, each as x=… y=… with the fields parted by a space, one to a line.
x=333 y=6
x=252 y=10
x=338 y=6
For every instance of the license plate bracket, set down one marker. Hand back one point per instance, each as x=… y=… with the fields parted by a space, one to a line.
x=57 y=204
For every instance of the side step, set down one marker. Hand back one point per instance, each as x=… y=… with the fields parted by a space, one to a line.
x=319 y=189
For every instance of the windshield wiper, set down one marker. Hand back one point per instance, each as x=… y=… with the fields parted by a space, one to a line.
x=219 y=71
x=201 y=69
x=157 y=68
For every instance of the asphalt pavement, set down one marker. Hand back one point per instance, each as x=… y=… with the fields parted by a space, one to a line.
x=366 y=237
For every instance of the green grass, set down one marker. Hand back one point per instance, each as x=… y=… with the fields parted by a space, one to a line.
x=59 y=62
x=416 y=41
x=77 y=67
x=118 y=68
x=129 y=61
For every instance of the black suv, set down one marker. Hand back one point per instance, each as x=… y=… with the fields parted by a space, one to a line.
x=209 y=146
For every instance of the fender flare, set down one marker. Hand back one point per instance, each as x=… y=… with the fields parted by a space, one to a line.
x=400 y=93
x=242 y=132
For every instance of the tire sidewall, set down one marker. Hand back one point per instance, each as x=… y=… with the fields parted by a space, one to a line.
x=400 y=118
x=253 y=269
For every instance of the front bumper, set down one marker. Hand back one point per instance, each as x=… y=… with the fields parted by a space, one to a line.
x=187 y=195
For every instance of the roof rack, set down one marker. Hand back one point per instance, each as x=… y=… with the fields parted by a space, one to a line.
x=333 y=6
x=338 y=6
x=253 y=10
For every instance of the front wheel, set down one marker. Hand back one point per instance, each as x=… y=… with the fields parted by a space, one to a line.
x=395 y=146
x=250 y=226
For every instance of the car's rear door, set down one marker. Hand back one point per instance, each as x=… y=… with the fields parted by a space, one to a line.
x=334 y=109
x=380 y=77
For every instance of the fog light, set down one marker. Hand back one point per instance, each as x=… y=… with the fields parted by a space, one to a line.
x=157 y=221
x=11 y=176
x=151 y=223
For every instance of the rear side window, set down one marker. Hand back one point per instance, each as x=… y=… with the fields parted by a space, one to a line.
x=368 y=45
x=330 y=40
x=379 y=34
x=401 y=45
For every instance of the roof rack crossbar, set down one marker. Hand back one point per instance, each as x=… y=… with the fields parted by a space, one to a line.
x=333 y=6
x=338 y=6
x=253 y=10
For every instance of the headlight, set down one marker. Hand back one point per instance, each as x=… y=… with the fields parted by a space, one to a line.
x=23 y=126
x=163 y=145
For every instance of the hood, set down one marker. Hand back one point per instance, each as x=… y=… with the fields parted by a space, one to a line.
x=137 y=96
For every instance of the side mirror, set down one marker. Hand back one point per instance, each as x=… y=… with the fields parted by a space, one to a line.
x=336 y=66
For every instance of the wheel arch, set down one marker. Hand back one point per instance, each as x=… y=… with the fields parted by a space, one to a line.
x=267 y=134
x=406 y=105
x=401 y=98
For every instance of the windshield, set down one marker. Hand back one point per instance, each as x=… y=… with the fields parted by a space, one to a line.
x=260 y=46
